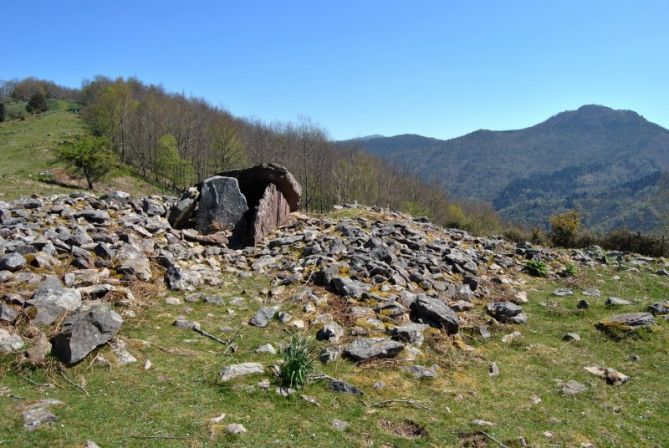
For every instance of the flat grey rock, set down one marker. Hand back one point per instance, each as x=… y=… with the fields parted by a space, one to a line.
x=10 y=343
x=243 y=369
x=435 y=312
x=12 y=262
x=52 y=301
x=364 y=349
x=264 y=316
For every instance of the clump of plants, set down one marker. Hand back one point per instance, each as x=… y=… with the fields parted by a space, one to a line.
x=570 y=270
x=536 y=268
x=298 y=362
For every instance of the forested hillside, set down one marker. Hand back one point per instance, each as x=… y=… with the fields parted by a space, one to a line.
x=607 y=163
x=175 y=141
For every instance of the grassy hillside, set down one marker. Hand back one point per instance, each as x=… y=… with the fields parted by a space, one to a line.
x=26 y=150
x=171 y=403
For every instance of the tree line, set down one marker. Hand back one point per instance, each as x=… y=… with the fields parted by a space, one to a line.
x=177 y=140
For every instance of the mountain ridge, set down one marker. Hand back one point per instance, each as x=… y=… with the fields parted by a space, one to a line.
x=595 y=147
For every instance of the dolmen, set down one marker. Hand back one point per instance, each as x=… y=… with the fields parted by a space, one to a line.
x=250 y=203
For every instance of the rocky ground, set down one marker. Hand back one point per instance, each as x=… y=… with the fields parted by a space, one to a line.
x=379 y=291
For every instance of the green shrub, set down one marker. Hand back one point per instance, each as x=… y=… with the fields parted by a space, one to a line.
x=536 y=268
x=565 y=228
x=37 y=103
x=570 y=270
x=298 y=362
x=3 y=112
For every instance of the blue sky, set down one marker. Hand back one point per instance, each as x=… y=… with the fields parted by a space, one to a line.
x=437 y=68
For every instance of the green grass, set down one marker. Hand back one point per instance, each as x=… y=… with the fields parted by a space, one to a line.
x=26 y=150
x=178 y=395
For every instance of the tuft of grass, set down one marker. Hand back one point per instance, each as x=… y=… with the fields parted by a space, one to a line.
x=298 y=362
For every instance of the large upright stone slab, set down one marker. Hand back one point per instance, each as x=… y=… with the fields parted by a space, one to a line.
x=272 y=211
x=222 y=205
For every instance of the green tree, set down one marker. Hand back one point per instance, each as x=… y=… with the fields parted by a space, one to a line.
x=37 y=103
x=87 y=156
x=170 y=168
x=3 y=112
x=227 y=151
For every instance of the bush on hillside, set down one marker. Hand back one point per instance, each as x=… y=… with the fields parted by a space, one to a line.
x=37 y=103
x=3 y=112
x=565 y=228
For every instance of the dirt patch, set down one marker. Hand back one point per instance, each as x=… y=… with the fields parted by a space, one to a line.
x=407 y=429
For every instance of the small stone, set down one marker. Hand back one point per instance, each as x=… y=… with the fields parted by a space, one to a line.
x=520 y=297
x=616 y=301
x=627 y=322
x=266 y=348
x=123 y=356
x=10 y=343
x=571 y=337
x=659 y=308
x=511 y=337
x=235 y=428
x=479 y=422
x=218 y=419
x=330 y=354
x=147 y=364
x=363 y=349
x=612 y=376
x=311 y=400
x=420 y=372
x=493 y=370
x=563 y=292
x=12 y=262
x=243 y=369
x=173 y=301
x=379 y=385
x=339 y=425
x=331 y=331
x=263 y=316
x=341 y=386
x=285 y=391
x=572 y=388
x=507 y=312
x=39 y=414
x=592 y=292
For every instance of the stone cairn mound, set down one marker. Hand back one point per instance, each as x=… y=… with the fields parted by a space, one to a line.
x=371 y=285
x=249 y=203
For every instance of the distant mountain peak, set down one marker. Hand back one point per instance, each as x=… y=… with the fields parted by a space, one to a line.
x=594 y=114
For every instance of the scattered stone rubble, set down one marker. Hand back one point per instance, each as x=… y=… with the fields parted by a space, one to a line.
x=68 y=258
